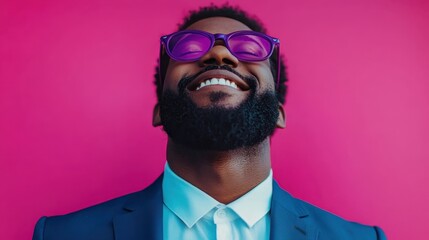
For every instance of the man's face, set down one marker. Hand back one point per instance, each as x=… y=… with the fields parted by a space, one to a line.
x=219 y=55
x=219 y=117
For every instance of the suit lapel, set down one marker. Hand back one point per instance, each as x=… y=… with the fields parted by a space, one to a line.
x=289 y=218
x=143 y=219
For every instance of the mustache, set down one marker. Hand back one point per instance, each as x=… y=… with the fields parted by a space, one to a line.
x=249 y=80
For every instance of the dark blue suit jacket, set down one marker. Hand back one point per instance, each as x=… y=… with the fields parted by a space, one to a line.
x=138 y=216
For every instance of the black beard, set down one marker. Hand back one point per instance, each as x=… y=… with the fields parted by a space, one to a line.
x=219 y=128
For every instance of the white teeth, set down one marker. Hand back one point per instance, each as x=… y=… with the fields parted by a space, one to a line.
x=217 y=81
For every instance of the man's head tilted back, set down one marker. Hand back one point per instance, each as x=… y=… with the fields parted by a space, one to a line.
x=220 y=86
x=220 y=82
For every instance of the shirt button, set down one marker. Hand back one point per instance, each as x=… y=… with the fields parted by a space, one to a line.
x=221 y=213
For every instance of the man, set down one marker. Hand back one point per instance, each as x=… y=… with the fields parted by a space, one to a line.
x=220 y=86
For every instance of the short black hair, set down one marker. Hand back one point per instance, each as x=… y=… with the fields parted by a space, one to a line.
x=235 y=13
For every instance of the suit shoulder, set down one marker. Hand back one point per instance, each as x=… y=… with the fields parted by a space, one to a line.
x=90 y=221
x=327 y=225
x=94 y=220
x=333 y=225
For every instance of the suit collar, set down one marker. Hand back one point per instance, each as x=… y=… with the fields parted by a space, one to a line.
x=143 y=217
x=289 y=218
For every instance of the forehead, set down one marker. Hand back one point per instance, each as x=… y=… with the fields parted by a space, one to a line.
x=218 y=25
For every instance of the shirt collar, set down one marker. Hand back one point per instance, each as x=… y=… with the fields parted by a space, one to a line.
x=185 y=200
x=253 y=205
x=190 y=204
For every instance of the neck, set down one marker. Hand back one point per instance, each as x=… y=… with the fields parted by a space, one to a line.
x=224 y=175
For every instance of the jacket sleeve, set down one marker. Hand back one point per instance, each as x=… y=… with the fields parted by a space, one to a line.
x=380 y=234
x=39 y=229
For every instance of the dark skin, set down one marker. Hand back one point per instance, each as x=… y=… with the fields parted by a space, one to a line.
x=224 y=175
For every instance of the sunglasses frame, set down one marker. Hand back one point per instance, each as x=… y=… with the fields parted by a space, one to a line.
x=274 y=43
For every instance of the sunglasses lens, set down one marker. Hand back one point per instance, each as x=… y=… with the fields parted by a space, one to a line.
x=191 y=46
x=188 y=46
x=248 y=47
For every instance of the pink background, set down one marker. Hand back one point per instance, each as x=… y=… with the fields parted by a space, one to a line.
x=76 y=98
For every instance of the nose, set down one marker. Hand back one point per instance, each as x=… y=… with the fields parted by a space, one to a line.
x=218 y=55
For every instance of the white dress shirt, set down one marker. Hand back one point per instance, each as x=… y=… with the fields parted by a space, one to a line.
x=191 y=214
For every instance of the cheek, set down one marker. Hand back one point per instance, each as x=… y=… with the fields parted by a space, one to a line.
x=175 y=72
x=263 y=72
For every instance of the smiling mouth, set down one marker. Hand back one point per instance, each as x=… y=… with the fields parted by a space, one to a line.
x=218 y=78
x=217 y=81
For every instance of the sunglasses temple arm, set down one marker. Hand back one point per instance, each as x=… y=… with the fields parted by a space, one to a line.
x=278 y=67
x=160 y=77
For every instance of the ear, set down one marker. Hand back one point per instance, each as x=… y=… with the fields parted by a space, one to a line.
x=156 y=117
x=281 y=120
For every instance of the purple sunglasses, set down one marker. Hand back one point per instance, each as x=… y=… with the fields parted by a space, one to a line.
x=246 y=46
